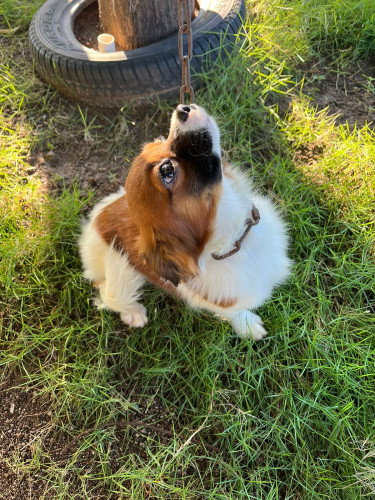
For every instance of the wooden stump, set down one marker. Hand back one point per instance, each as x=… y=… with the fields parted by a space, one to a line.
x=135 y=23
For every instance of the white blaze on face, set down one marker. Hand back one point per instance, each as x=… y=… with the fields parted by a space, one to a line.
x=197 y=119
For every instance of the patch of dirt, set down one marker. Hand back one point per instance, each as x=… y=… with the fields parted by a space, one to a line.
x=87 y=26
x=27 y=431
x=25 y=420
x=308 y=153
x=98 y=165
x=30 y=443
x=91 y=167
x=349 y=94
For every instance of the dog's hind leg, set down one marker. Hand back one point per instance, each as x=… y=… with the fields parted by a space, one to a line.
x=247 y=324
x=121 y=289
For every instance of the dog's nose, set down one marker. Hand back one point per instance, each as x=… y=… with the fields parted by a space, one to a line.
x=183 y=112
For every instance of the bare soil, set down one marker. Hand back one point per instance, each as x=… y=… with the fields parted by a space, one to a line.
x=87 y=26
x=96 y=166
x=89 y=166
x=348 y=95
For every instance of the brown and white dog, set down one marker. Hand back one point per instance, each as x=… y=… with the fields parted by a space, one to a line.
x=178 y=224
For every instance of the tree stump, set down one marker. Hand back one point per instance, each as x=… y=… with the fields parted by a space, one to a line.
x=136 y=23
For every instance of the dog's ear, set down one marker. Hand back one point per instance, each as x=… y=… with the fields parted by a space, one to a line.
x=176 y=263
x=173 y=257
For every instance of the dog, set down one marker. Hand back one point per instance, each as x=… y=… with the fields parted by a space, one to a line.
x=190 y=224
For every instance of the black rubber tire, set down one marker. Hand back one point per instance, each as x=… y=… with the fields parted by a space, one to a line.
x=111 y=80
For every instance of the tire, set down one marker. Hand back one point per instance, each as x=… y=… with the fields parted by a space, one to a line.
x=112 y=79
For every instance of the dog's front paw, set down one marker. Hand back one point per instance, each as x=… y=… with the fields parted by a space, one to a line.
x=248 y=325
x=137 y=318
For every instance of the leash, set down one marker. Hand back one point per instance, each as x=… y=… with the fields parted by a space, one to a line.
x=184 y=7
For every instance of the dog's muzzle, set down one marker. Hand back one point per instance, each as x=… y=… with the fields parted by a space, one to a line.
x=182 y=112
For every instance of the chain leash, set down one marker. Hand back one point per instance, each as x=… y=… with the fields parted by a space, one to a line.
x=184 y=7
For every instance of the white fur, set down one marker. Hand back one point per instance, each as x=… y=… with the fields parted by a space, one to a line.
x=92 y=247
x=248 y=277
x=118 y=282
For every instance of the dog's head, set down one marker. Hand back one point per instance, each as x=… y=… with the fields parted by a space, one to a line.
x=172 y=191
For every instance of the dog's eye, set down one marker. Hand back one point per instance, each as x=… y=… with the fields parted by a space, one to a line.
x=167 y=171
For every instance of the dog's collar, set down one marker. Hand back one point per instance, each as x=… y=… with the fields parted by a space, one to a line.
x=250 y=222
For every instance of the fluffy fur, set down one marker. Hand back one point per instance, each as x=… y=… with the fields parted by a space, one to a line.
x=181 y=205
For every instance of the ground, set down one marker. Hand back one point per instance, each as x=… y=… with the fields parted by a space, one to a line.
x=342 y=93
x=90 y=409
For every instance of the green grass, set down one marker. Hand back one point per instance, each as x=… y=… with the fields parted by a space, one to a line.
x=293 y=414
x=341 y=30
x=15 y=15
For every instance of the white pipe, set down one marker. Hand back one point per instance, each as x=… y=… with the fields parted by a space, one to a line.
x=106 y=43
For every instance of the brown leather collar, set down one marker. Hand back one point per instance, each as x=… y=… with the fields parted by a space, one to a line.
x=250 y=222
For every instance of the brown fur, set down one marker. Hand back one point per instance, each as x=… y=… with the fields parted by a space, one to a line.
x=224 y=303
